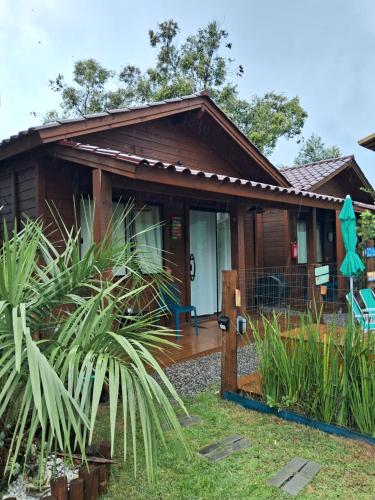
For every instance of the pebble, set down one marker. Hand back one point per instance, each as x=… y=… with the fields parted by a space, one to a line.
x=194 y=376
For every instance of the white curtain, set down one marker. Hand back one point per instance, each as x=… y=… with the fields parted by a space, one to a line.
x=203 y=247
x=301 y=242
x=86 y=216
x=149 y=239
x=224 y=254
x=118 y=232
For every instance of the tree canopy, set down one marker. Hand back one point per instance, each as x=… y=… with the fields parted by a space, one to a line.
x=200 y=62
x=314 y=150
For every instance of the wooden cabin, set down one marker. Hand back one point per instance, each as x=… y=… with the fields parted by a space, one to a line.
x=283 y=228
x=214 y=191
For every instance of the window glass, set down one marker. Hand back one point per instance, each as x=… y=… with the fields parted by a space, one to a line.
x=301 y=242
x=148 y=235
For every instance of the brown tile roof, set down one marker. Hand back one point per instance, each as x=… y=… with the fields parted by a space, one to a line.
x=91 y=116
x=179 y=168
x=311 y=175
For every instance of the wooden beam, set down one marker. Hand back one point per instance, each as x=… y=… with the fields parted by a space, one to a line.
x=340 y=254
x=102 y=194
x=313 y=291
x=311 y=236
x=239 y=256
x=229 y=337
x=259 y=240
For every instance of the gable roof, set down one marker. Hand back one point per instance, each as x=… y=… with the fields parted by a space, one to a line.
x=69 y=128
x=311 y=176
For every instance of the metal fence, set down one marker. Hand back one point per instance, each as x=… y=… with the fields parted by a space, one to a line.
x=292 y=289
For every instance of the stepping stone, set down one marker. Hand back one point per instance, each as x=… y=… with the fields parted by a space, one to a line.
x=222 y=449
x=295 y=475
x=188 y=420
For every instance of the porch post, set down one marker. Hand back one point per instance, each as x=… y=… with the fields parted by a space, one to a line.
x=102 y=194
x=240 y=250
x=312 y=250
x=259 y=240
x=340 y=254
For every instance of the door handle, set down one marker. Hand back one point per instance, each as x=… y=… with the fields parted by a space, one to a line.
x=192 y=267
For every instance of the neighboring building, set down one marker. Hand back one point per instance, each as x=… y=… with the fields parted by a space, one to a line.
x=192 y=168
x=368 y=142
x=335 y=177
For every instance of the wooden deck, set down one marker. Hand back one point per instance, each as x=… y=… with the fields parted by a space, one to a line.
x=192 y=346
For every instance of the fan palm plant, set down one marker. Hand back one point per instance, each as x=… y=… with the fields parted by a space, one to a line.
x=65 y=336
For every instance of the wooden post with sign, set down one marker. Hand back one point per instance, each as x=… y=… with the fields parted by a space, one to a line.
x=230 y=297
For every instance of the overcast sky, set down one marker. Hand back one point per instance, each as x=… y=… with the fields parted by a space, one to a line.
x=320 y=50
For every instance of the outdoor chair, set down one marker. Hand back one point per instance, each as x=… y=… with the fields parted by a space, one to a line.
x=368 y=298
x=171 y=296
x=364 y=318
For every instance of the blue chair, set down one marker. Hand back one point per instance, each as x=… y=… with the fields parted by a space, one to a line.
x=365 y=319
x=368 y=298
x=171 y=296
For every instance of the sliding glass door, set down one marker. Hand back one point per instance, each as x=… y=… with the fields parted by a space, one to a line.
x=210 y=253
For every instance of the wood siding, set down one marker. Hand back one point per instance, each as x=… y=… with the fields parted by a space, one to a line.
x=18 y=187
x=189 y=139
x=276 y=238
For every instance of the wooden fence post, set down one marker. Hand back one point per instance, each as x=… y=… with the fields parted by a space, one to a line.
x=229 y=337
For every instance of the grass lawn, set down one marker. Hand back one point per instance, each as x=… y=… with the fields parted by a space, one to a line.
x=348 y=467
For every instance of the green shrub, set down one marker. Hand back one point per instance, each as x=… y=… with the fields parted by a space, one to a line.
x=325 y=379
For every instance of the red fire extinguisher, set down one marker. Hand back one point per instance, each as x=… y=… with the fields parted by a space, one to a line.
x=294 y=250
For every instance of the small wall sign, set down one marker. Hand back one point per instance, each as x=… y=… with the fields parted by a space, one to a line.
x=370 y=252
x=176 y=228
x=319 y=271
x=371 y=276
x=321 y=275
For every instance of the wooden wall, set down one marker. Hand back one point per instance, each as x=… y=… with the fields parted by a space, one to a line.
x=18 y=189
x=276 y=238
x=168 y=140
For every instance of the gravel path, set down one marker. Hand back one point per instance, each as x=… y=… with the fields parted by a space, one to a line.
x=193 y=376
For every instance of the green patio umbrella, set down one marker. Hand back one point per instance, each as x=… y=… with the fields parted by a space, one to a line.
x=351 y=265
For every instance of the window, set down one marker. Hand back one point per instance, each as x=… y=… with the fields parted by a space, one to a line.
x=301 y=241
x=148 y=235
x=146 y=228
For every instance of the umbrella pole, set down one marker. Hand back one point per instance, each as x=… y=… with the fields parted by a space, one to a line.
x=352 y=296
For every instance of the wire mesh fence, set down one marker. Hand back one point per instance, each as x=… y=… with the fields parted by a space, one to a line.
x=293 y=290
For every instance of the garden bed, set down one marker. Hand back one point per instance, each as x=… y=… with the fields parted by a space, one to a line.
x=254 y=404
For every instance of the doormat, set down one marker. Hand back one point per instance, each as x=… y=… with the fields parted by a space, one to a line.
x=295 y=475
x=222 y=449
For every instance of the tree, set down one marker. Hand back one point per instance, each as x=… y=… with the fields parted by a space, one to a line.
x=65 y=336
x=314 y=150
x=200 y=62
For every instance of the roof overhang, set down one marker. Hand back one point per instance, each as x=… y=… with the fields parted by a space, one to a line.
x=368 y=142
x=156 y=172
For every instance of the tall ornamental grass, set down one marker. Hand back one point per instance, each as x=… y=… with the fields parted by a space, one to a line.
x=322 y=378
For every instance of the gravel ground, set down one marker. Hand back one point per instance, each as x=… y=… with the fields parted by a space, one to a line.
x=193 y=376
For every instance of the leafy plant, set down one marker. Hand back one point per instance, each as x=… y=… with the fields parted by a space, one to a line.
x=201 y=62
x=65 y=337
x=320 y=377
